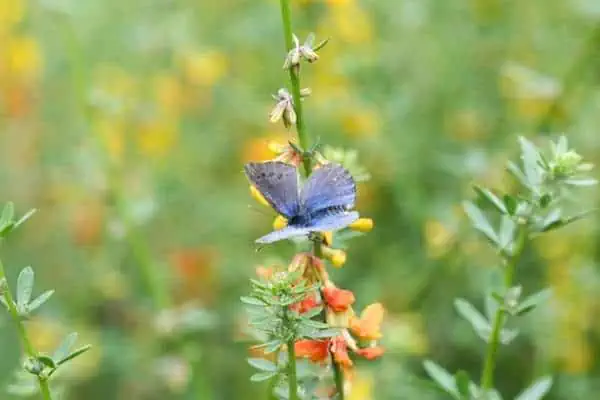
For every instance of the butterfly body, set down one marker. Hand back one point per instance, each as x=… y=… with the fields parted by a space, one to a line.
x=323 y=203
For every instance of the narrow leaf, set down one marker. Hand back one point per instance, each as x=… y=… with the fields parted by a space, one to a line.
x=313 y=312
x=65 y=347
x=581 y=182
x=517 y=173
x=253 y=301
x=533 y=301
x=25 y=217
x=326 y=333
x=74 y=354
x=479 y=323
x=40 y=300
x=510 y=203
x=491 y=198
x=8 y=213
x=262 y=376
x=462 y=383
x=442 y=378
x=24 y=287
x=537 y=390
x=531 y=163
x=47 y=361
x=479 y=221
x=262 y=364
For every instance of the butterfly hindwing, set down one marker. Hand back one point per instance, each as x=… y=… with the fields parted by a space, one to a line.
x=284 y=233
x=329 y=186
x=278 y=183
x=334 y=221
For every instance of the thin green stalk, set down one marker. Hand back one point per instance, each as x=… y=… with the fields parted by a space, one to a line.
x=303 y=138
x=292 y=376
x=22 y=332
x=338 y=376
x=487 y=375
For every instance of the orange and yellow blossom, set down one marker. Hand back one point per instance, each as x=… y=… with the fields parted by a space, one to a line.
x=338 y=300
x=316 y=351
x=368 y=326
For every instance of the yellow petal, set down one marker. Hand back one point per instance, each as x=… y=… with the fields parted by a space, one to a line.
x=362 y=225
x=279 y=223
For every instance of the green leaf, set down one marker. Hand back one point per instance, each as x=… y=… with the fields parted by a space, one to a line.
x=462 y=384
x=271 y=346
x=262 y=364
x=25 y=287
x=479 y=323
x=479 y=221
x=442 y=378
x=40 y=300
x=313 y=312
x=507 y=233
x=517 y=173
x=262 y=376
x=491 y=199
x=537 y=390
x=531 y=302
x=24 y=218
x=253 y=301
x=47 y=361
x=554 y=221
x=74 y=354
x=326 y=333
x=65 y=347
x=510 y=203
x=581 y=182
x=545 y=200
x=531 y=163
x=8 y=214
x=508 y=335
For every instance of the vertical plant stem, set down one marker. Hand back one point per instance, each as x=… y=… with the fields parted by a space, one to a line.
x=292 y=376
x=487 y=374
x=338 y=376
x=294 y=73
x=22 y=332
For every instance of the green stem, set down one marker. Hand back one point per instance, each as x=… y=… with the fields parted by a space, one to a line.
x=487 y=375
x=303 y=138
x=338 y=376
x=22 y=332
x=292 y=377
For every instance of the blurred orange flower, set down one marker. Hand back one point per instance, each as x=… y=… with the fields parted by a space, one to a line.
x=315 y=350
x=368 y=326
x=337 y=299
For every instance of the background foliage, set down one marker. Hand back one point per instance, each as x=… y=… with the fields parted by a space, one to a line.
x=127 y=123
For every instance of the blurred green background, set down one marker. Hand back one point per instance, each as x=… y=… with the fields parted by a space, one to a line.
x=127 y=124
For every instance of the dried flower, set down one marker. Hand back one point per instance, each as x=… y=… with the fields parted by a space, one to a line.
x=305 y=51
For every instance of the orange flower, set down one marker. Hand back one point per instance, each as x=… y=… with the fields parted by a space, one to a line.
x=337 y=299
x=265 y=273
x=368 y=326
x=306 y=304
x=339 y=349
x=371 y=353
x=315 y=350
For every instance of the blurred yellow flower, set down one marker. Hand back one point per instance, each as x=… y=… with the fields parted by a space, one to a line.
x=350 y=23
x=406 y=333
x=361 y=123
x=157 y=137
x=204 y=68
x=466 y=125
x=11 y=12
x=24 y=58
x=336 y=256
x=438 y=239
x=169 y=95
x=361 y=387
x=112 y=135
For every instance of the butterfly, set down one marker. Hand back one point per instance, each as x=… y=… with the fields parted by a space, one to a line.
x=324 y=202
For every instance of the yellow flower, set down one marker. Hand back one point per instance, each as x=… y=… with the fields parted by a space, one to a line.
x=361 y=123
x=328 y=238
x=336 y=256
x=362 y=225
x=24 y=58
x=280 y=222
x=438 y=238
x=112 y=135
x=157 y=137
x=204 y=69
x=254 y=192
x=168 y=94
x=11 y=12
x=368 y=326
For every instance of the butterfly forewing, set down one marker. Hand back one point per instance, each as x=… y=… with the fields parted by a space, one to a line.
x=329 y=186
x=284 y=233
x=278 y=183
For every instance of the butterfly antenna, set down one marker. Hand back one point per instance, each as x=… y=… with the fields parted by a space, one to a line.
x=259 y=248
x=259 y=210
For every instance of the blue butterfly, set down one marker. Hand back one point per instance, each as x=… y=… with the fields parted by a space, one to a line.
x=323 y=204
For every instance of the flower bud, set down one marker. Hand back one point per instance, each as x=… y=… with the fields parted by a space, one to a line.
x=362 y=225
x=336 y=256
x=257 y=195
x=280 y=222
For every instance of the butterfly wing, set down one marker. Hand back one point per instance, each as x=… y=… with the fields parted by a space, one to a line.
x=329 y=186
x=325 y=223
x=333 y=221
x=284 y=233
x=278 y=183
